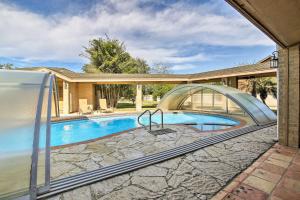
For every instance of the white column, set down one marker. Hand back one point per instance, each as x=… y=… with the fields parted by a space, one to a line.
x=139 y=97
x=66 y=97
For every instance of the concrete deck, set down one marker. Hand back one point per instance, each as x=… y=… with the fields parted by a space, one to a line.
x=197 y=175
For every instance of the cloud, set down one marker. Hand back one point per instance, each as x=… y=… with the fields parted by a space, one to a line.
x=183 y=67
x=157 y=35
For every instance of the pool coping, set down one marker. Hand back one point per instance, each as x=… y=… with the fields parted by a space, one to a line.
x=242 y=123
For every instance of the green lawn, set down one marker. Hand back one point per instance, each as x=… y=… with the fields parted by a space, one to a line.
x=128 y=106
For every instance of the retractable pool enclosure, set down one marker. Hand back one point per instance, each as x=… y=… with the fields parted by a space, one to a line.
x=26 y=104
x=217 y=98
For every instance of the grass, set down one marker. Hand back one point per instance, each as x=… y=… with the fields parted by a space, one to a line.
x=129 y=106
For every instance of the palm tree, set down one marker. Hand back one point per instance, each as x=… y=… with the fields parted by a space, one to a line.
x=261 y=86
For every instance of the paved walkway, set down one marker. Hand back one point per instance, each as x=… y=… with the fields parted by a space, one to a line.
x=275 y=176
x=197 y=175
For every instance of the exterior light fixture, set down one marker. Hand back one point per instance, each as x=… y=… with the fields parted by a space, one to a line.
x=274 y=60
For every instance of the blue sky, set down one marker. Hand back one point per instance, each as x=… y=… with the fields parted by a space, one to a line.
x=188 y=36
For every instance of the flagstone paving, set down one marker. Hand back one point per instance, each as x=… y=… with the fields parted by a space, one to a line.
x=274 y=176
x=75 y=159
x=197 y=175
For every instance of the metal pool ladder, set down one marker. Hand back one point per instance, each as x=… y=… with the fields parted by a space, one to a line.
x=150 y=119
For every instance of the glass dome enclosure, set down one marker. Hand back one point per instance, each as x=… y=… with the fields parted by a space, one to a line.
x=26 y=100
x=217 y=98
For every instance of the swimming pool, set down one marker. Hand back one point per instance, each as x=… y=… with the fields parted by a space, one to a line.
x=68 y=132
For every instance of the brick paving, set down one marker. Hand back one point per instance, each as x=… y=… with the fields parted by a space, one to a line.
x=274 y=176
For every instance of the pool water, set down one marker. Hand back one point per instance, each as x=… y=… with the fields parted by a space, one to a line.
x=69 y=132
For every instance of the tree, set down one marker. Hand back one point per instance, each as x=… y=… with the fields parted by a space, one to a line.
x=261 y=86
x=159 y=90
x=110 y=56
x=6 y=66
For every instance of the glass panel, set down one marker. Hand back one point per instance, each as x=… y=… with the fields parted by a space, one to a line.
x=19 y=92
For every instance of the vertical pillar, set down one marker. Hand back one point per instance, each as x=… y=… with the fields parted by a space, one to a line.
x=289 y=98
x=139 y=97
x=232 y=82
x=66 y=97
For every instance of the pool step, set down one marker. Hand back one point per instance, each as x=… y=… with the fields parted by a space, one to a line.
x=162 y=131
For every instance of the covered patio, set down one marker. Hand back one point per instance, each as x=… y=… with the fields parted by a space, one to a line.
x=75 y=87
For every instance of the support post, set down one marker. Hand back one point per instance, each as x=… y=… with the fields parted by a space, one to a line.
x=232 y=82
x=66 y=97
x=289 y=96
x=139 y=97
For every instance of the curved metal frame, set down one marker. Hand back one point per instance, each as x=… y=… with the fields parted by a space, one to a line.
x=242 y=99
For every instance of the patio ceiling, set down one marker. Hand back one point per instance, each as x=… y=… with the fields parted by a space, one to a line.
x=279 y=19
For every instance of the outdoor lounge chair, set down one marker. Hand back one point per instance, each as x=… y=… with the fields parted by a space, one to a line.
x=103 y=106
x=84 y=108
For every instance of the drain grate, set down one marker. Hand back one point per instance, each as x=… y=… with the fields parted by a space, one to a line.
x=162 y=131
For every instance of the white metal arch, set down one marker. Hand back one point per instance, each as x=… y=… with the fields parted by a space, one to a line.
x=259 y=112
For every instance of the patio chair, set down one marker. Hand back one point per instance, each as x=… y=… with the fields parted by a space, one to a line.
x=103 y=105
x=84 y=108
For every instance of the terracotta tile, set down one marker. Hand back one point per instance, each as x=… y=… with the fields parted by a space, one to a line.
x=276 y=145
x=290 y=184
x=255 y=164
x=231 y=186
x=260 y=184
x=292 y=174
x=285 y=194
x=275 y=198
x=232 y=197
x=247 y=192
x=249 y=170
x=288 y=149
x=268 y=176
x=294 y=167
x=279 y=163
x=296 y=160
x=282 y=157
x=220 y=195
x=261 y=159
x=272 y=168
x=241 y=177
x=267 y=154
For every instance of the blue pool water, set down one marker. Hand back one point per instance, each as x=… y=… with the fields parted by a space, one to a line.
x=68 y=132
x=81 y=130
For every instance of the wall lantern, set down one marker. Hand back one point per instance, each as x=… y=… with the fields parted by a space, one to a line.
x=274 y=60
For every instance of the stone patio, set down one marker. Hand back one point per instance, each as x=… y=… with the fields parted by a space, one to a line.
x=197 y=175
x=72 y=160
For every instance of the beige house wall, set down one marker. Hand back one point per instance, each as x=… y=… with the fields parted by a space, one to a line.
x=289 y=98
x=86 y=91
x=73 y=97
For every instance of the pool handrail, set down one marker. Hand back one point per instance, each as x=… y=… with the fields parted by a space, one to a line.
x=143 y=125
x=162 y=117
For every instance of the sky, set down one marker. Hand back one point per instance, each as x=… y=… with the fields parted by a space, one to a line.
x=188 y=36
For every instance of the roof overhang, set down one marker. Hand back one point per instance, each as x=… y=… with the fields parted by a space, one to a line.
x=279 y=19
x=255 y=70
